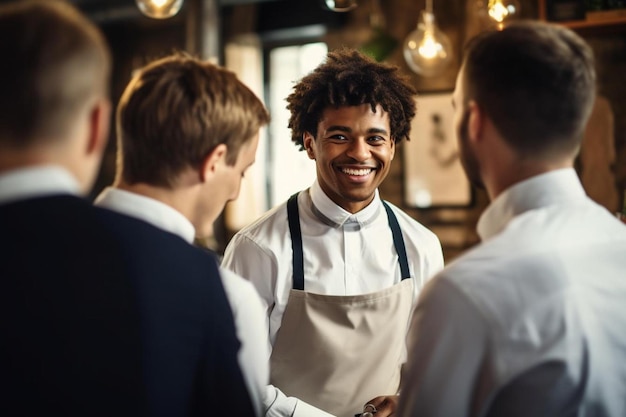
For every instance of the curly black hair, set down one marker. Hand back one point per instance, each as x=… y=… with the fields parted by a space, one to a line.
x=349 y=78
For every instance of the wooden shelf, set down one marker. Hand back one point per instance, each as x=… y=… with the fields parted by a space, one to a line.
x=593 y=23
x=594 y=20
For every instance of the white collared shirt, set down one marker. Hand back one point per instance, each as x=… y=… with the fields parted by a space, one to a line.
x=546 y=285
x=344 y=254
x=36 y=181
x=250 y=319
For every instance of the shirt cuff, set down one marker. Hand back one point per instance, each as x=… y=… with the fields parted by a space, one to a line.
x=307 y=410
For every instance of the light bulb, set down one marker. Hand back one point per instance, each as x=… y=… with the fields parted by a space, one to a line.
x=159 y=9
x=427 y=50
x=339 y=5
x=502 y=11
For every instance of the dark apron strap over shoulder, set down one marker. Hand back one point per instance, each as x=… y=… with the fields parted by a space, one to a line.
x=296 y=242
x=398 y=241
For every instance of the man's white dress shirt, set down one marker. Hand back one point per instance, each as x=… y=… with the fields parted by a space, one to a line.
x=39 y=181
x=539 y=304
x=248 y=311
x=344 y=254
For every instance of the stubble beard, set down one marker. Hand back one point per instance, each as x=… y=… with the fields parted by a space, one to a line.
x=469 y=161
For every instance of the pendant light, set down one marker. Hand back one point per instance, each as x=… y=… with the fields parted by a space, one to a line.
x=159 y=9
x=427 y=50
x=339 y=5
x=503 y=11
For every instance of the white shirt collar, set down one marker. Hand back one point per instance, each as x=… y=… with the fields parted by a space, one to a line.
x=37 y=181
x=539 y=191
x=147 y=209
x=336 y=214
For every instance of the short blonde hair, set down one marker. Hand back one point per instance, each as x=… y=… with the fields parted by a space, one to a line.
x=54 y=61
x=174 y=113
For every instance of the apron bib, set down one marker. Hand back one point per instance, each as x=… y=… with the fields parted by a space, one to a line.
x=337 y=352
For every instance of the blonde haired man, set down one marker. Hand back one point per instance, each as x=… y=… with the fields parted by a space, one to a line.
x=187 y=132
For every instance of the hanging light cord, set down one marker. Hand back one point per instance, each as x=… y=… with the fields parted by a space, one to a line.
x=429 y=6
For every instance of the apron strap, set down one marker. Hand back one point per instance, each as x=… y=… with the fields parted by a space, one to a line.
x=296 y=242
x=398 y=241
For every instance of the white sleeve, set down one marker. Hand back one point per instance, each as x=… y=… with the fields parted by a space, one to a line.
x=277 y=404
x=251 y=326
x=446 y=343
x=248 y=260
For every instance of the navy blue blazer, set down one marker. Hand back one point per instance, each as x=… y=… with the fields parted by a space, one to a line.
x=105 y=315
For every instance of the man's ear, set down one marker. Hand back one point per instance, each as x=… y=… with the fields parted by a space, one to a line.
x=309 y=142
x=476 y=121
x=99 y=126
x=212 y=161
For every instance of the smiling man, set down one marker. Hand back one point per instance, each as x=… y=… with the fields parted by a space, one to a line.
x=337 y=267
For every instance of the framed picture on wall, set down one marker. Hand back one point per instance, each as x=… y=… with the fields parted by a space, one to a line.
x=433 y=175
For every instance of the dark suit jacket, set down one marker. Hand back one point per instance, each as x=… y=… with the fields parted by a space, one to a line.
x=105 y=315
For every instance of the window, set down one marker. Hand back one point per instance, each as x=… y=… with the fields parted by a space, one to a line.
x=289 y=170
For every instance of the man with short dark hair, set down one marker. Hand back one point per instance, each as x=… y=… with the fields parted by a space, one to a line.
x=530 y=322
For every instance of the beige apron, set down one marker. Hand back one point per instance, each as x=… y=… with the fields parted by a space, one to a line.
x=338 y=352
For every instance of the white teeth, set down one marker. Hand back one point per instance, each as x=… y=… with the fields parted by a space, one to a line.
x=359 y=172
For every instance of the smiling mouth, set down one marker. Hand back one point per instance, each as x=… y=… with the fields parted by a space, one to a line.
x=357 y=172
